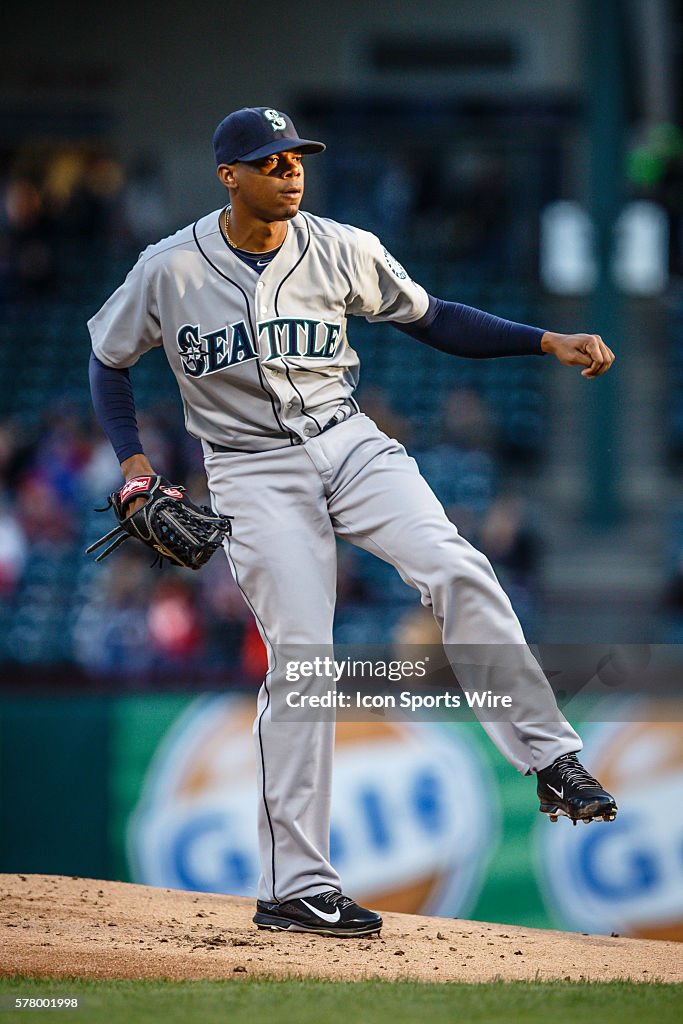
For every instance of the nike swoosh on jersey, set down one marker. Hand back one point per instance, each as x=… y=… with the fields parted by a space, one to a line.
x=560 y=792
x=262 y=263
x=332 y=918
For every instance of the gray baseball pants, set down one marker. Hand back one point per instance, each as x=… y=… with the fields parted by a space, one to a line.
x=354 y=482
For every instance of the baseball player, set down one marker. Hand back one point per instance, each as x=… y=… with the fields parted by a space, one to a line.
x=251 y=305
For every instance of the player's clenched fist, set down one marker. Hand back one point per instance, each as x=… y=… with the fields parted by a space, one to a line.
x=587 y=350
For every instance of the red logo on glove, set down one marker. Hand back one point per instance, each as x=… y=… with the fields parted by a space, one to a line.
x=138 y=483
x=172 y=492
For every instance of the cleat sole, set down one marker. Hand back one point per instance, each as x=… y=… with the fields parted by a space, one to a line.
x=285 y=925
x=591 y=813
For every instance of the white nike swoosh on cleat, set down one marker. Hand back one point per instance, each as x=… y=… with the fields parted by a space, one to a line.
x=332 y=918
x=559 y=792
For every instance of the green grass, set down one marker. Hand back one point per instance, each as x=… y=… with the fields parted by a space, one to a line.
x=369 y=1002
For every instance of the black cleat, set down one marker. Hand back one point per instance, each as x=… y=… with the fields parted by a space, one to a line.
x=327 y=913
x=565 y=788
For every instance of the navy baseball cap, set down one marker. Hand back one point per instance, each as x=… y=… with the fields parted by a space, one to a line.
x=254 y=132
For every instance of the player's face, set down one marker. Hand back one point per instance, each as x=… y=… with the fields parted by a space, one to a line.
x=270 y=188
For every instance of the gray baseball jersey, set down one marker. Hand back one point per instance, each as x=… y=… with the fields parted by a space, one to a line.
x=260 y=363
x=264 y=364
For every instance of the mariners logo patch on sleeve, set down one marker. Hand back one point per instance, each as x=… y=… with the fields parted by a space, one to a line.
x=394 y=266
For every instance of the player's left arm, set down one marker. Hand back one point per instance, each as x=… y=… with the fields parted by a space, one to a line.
x=464 y=331
x=383 y=291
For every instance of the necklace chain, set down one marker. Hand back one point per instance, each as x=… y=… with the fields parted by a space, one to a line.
x=231 y=242
x=226 y=218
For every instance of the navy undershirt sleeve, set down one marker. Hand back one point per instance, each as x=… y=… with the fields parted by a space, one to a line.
x=464 y=331
x=112 y=399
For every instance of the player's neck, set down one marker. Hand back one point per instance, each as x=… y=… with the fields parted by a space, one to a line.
x=252 y=235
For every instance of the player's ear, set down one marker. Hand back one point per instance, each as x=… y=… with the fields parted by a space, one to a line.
x=226 y=175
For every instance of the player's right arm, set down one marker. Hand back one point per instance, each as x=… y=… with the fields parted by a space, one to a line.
x=123 y=329
x=114 y=404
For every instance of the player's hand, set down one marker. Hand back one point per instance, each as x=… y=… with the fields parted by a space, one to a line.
x=136 y=465
x=587 y=350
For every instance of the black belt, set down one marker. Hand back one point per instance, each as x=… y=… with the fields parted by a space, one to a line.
x=345 y=412
x=224 y=448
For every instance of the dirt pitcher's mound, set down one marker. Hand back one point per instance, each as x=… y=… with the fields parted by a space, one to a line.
x=51 y=925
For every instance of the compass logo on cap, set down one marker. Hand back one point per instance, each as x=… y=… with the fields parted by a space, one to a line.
x=276 y=119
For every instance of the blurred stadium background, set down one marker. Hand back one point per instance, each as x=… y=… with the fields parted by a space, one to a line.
x=525 y=158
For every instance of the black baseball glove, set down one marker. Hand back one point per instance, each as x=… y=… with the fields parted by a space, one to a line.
x=177 y=529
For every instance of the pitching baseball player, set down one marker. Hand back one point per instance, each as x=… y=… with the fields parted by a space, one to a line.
x=251 y=305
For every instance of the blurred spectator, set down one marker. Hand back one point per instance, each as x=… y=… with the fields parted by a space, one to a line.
x=377 y=404
x=111 y=634
x=224 y=612
x=174 y=626
x=82 y=189
x=673 y=591
x=467 y=421
x=395 y=197
x=254 y=658
x=352 y=586
x=143 y=203
x=465 y=517
x=460 y=478
x=12 y=442
x=45 y=518
x=417 y=627
x=13 y=548
x=103 y=182
x=102 y=472
x=478 y=190
x=157 y=443
x=62 y=454
x=508 y=538
x=218 y=593
x=30 y=254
